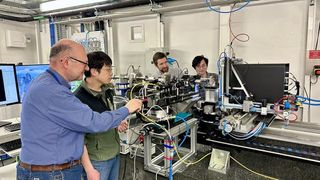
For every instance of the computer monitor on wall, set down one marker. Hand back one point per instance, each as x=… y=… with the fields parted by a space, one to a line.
x=8 y=85
x=27 y=73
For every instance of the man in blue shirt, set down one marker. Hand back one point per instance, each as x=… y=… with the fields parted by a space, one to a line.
x=54 y=121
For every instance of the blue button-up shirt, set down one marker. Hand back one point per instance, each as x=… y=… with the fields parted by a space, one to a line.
x=53 y=121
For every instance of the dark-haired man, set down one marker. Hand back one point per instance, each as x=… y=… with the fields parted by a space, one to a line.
x=200 y=64
x=101 y=152
x=53 y=120
x=161 y=62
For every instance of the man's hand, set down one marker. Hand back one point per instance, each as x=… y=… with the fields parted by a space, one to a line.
x=93 y=174
x=134 y=105
x=123 y=126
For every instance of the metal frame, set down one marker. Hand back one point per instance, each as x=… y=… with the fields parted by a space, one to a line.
x=152 y=164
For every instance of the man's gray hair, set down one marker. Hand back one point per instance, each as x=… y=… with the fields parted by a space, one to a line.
x=57 y=49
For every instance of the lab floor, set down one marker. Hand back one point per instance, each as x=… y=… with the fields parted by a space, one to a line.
x=272 y=165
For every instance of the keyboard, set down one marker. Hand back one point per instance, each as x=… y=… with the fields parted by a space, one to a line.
x=11 y=145
x=4 y=123
x=12 y=127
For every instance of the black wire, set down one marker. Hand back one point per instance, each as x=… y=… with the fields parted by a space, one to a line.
x=134 y=141
x=294 y=77
x=178 y=64
x=291 y=88
x=316 y=46
x=297 y=83
x=309 y=105
x=305 y=90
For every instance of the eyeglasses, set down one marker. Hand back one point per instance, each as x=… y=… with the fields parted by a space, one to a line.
x=202 y=66
x=79 y=60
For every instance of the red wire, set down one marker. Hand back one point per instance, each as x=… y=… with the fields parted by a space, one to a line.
x=236 y=36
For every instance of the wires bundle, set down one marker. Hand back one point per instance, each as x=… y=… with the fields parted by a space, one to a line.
x=255 y=132
x=288 y=104
x=296 y=84
x=309 y=101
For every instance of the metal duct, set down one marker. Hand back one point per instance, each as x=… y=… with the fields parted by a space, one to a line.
x=104 y=7
x=14 y=18
x=91 y=9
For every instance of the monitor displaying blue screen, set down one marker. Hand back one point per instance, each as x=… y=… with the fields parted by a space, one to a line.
x=27 y=73
x=8 y=85
x=75 y=84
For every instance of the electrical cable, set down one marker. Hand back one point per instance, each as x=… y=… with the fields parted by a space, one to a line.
x=236 y=36
x=310 y=99
x=309 y=105
x=316 y=45
x=226 y=12
x=305 y=90
x=254 y=172
x=191 y=163
x=316 y=81
x=134 y=162
x=158 y=173
x=256 y=133
x=130 y=144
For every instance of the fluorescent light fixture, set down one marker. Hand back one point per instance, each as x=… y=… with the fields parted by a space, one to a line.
x=62 y=4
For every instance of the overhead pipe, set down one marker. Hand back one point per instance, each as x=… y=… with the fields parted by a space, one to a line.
x=148 y=12
x=117 y=5
x=16 y=10
x=14 y=18
x=102 y=7
x=71 y=12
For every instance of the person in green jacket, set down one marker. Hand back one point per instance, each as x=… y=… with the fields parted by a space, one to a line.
x=101 y=152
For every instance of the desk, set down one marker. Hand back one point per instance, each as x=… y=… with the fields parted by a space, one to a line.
x=6 y=136
x=8 y=172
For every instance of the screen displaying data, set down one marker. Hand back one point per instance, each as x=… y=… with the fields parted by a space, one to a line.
x=26 y=74
x=8 y=85
x=75 y=84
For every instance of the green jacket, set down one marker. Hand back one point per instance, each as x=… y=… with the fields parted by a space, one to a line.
x=106 y=145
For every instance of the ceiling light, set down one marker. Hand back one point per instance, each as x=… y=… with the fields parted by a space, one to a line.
x=62 y=4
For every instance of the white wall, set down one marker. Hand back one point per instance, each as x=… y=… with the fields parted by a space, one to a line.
x=26 y=55
x=15 y=55
x=277 y=33
x=192 y=33
x=127 y=52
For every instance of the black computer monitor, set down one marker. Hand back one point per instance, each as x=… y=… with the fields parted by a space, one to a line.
x=8 y=85
x=264 y=82
x=26 y=73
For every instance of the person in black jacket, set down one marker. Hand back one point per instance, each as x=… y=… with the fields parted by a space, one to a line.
x=101 y=153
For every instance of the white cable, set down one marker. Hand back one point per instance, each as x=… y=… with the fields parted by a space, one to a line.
x=166 y=114
x=158 y=173
x=168 y=133
x=134 y=162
